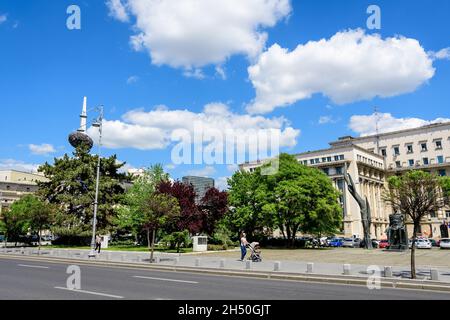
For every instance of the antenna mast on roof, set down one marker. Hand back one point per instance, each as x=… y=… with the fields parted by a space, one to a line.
x=377 y=122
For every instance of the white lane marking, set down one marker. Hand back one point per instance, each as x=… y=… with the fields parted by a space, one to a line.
x=162 y=279
x=91 y=292
x=29 y=266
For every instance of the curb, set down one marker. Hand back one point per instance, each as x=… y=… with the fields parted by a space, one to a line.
x=300 y=277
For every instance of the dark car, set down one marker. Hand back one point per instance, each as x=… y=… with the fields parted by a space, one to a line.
x=434 y=243
x=374 y=243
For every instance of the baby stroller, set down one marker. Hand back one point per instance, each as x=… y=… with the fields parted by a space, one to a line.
x=255 y=250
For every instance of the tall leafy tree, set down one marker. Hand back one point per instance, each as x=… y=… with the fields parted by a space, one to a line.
x=14 y=223
x=157 y=209
x=213 y=206
x=301 y=198
x=190 y=217
x=246 y=196
x=71 y=186
x=129 y=216
x=38 y=214
x=416 y=194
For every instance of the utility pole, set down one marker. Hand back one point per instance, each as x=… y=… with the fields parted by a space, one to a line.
x=98 y=124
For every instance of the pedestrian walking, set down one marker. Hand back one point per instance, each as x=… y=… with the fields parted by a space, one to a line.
x=98 y=243
x=244 y=243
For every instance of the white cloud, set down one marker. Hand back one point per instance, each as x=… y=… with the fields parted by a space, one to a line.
x=222 y=183
x=3 y=18
x=207 y=171
x=196 y=74
x=441 y=54
x=221 y=72
x=149 y=130
x=366 y=125
x=350 y=66
x=327 y=120
x=41 y=149
x=117 y=10
x=194 y=33
x=232 y=168
x=11 y=164
x=132 y=79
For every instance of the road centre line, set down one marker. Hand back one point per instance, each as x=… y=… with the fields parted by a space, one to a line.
x=163 y=279
x=31 y=266
x=91 y=292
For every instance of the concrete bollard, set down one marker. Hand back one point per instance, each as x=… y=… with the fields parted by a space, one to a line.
x=434 y=275
x=310 y=267
x=176 y=261
x=157 y=259
x=347 y=269
x=388 y=272
x=277 y=266
x=248 y=264
x=222 y=263
x=139 y=259
x=197 y=262
x=22 y=250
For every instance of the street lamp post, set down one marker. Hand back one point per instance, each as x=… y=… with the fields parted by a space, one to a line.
x=98 y=124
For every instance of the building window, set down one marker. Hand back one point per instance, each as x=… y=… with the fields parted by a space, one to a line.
x=339 y=170
x=311 y=161
x=8 y=187
x=409 y=148
x=411 y=163
x=442 y=173
x=383 y=152
x=324 y=159
x=398 y=164
x=341 y=157
x=326 y=171
x=426 y=161
x=433 y=214
x=438 y=144
x=440 y=159
x=447 y=214
x=329 y=159
x=317 y=160
x=396 y=151
x=423 y=146
x=336 y=158
x=305 y=162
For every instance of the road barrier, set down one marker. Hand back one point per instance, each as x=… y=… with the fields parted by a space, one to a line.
x=347 y=269
x=277 y=266
x=434 y=275
x=388 y=272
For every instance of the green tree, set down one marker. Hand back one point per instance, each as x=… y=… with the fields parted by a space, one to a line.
x=301 y=198
x=37 y=214
x=14 y=223
x=416 y=194
x=246 y=198
x=71 y=187
x=129 y=217
x=157 y=209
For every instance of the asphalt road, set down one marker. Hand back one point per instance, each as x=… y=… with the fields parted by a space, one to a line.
x=28 y=279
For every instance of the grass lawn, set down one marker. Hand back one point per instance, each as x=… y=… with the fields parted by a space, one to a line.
x=124 y=248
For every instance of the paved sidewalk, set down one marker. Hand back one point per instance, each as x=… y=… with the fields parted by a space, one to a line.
x=218 y=262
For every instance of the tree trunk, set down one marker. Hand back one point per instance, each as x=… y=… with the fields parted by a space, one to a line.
x=153 y=245
x=148 y=239
x=413 y=251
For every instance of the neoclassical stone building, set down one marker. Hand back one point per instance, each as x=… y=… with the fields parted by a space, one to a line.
x=371 y=160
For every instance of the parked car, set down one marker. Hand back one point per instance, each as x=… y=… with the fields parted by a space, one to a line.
x=375 y=243
x=351 y=242
x=383 y=244
x=434 y=243
x=336 y=242
x=421 y=244
x=445 y=243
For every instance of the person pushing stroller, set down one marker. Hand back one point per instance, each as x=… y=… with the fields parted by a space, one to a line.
x=254 y=247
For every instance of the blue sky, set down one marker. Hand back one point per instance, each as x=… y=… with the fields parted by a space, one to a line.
x=46 y=70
